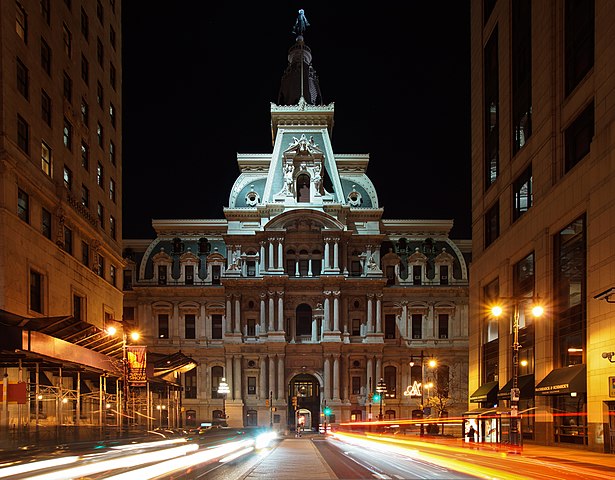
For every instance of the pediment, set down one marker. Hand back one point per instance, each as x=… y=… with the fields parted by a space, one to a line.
x=162 y=257
x=303 y=147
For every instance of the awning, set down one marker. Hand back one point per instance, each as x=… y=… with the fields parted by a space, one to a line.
x=564 y=380
x=525 y=383
x=488 y=392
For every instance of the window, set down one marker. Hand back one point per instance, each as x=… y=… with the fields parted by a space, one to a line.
x=36 y=291
x=85 y=253
x=521 y=72
x=100 y=52
x=390 y=378
x=23 y=135
x=190 y=382
x=112 y=153
x=190 y=326
x=578 y=137
x=356 y=385
x=85 y=196
x=100 y=180
x=356 y=327
x=216 y=377
x=99 y=12
x=579 y=18
x=389 y=326
x=21 y=22
x=417 y=325
x=491 y=105
x=46 y=107
x=68 y=178
x=68 y=240
x=45 y=57
x=112 y=227
x=112 y=114
x=522 y=193
x=68 y=134
x=100 y=212
x=85 y=155
x=68 y=40
x=99 y=94
x=163 y=325
x=112 y=76
x=523 y=276
x=112 y=37
x=443 y=274
x=100 y=266
x=85 y=112
x=251 y=327
x=99 y=135
x=78 y=305
x=23 y=205
x=46 y=11
x=85 y=69
x=46 y=223
x=251 y=385
x=417 y=274
x=189 y=274
x=68 y=88
x=112 y=275
x=216 y=327
x=162 y=274
x=85 y=24
x=46 y=159
x=23 y=85
x=127 y=281
x=443 y=325
x=492 y=224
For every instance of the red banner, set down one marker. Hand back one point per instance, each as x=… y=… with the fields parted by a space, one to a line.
x=18 y=392
x=137 y=359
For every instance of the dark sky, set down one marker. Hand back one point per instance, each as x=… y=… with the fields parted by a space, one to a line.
x=198 y=79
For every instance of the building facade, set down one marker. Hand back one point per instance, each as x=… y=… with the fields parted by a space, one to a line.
x=543 y=229
x=60 y=195
x=303 y=297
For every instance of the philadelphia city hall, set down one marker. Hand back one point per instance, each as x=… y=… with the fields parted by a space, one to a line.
x=303 y=296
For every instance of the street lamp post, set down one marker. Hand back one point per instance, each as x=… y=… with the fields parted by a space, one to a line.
x=223 y=389
x=381 y=388
x=497 y=310
x=125 y=371
x=432 y=363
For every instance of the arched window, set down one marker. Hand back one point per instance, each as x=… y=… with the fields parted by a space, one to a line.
x=304 y=319
x=303 y=188
x=389 y=415
x=251 y=418
x=356 y=415
x=390 y=378
x=190 y=418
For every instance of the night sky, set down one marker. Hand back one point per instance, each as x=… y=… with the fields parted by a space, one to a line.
x=198 y=79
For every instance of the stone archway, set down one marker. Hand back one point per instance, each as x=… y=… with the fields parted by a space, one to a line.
x=306 y=388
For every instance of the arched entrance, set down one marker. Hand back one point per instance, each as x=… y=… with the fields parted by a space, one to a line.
x=306 y=388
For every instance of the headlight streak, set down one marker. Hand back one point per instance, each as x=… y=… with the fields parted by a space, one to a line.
x=169 y=466
x=264 y=439
x=157 y=443
x=235 y=455
x=123 y=462
x=439 y=460
x=33 y=466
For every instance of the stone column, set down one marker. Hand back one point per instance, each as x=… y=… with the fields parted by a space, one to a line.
x=326 y=259
x=280 y=254
x=281 y=383
x=201 y=324
x=228 y=374
x=237 y=316
x=270 y=268
x=314 y=328
x=263 y=319
x=228 y=317
x=336 y=377
x=237 y=378
x=271 y=327
x=370 y=308
x=370 y=376
x=379 y=373
x=262 y=384
x=262 y=265
x=336 y=311
x=327 y=375
x=281 y=311
x=379 y=313
x=336 y=258
x=310 y=274
x=272 y=375
x=404 y=320
x=326 y=321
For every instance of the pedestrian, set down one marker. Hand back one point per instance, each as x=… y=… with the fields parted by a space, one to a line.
x=471 y=433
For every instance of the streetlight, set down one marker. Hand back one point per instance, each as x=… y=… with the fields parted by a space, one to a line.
x=134 y=336
x=496 y=311
x=381 y=388
x=432 y=363
x=223 y=389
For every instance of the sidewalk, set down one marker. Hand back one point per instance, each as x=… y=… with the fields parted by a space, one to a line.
x=295 y=458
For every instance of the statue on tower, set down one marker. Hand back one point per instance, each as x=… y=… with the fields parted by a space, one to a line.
x=301 y=24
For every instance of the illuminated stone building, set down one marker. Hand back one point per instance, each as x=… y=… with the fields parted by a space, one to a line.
x=543 y=79
x=303 y=289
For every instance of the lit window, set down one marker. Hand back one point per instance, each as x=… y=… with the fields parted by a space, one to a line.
x=68 y=134
x=46 y=159
x=68 y=178
x=100 y=175
x=21 y=22
x=23 y=205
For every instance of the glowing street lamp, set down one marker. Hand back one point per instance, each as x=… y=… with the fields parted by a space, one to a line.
x=381 y=389
x=496 y=311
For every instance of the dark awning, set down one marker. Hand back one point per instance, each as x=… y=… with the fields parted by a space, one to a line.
x=564 y=380
x=525 y=384
x=486 y=393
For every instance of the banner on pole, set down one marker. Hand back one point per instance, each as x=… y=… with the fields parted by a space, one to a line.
x=136 y=356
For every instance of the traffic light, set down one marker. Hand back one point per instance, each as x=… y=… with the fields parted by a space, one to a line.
x=376 y=397
x=327 y=411
x=294 y=402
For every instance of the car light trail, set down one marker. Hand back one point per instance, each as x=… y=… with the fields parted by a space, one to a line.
x=33 y=466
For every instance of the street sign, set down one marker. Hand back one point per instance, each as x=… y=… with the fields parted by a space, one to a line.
x=515 y=393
